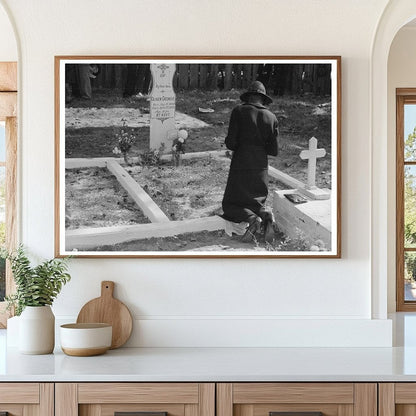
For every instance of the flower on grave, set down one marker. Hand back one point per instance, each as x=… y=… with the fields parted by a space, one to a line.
x=125 y=140
x=183 y=134
x=178 y=147
x=152 y=156
x=178 y=144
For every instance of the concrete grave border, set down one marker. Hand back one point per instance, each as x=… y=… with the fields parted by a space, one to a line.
x=161 y=225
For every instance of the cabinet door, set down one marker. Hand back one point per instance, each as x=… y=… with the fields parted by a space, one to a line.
x=26 y=399
x=143 y=399
x=397 y=399
x=297 y=399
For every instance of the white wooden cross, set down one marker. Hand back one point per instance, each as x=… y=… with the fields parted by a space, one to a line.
x=312 y=154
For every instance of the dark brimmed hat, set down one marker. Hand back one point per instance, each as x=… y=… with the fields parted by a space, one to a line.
x=256 y=87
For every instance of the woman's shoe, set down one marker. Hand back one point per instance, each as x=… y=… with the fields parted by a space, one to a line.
x=269 y=232
x=268 y=227
x=252 y=229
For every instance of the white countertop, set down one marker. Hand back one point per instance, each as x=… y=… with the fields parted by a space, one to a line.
x=215 y=364
x=222 y=364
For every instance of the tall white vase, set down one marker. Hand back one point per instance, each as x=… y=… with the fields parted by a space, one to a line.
x=37 y=330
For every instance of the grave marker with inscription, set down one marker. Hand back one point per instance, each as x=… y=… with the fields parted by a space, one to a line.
x=162 y=105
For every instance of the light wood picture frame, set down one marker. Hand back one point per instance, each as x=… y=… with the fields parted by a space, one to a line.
x=141 y=162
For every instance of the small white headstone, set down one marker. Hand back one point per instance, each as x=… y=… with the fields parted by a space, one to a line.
x=312 y=154
x=162 y=105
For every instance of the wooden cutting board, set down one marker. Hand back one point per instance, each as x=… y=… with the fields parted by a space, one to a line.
x=107 y=309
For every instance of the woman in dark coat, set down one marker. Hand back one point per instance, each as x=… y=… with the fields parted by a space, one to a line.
x=252 y=135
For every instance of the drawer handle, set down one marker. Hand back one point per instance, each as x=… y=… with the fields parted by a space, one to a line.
x=139 y=414
x=295 y=414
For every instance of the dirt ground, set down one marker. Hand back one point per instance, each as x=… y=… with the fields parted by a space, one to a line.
x=95 y=199
x=300 y=118
x=214 y=241
x=193 y=190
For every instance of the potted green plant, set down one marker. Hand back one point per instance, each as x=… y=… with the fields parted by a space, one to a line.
x=36 y=289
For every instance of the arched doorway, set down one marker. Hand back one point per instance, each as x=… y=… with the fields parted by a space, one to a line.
x=396 y=15
x=401 y=96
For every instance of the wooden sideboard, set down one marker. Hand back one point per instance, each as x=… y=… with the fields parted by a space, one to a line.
x=208 y=399
x=105 y=399
x=27 y=399
x=332 y=399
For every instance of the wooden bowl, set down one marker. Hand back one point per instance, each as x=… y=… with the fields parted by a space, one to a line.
x=84 y=340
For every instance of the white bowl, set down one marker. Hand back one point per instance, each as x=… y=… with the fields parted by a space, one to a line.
x=84 y=340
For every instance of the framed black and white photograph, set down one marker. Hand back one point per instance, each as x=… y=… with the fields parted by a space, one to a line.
x=198 y=156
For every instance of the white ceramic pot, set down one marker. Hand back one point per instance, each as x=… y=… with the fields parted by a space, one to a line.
x=37 y=330
x=86 y=339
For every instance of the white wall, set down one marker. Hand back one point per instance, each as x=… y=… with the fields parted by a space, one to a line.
x=203 y=302
x=8 y=47
x=401 y=74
